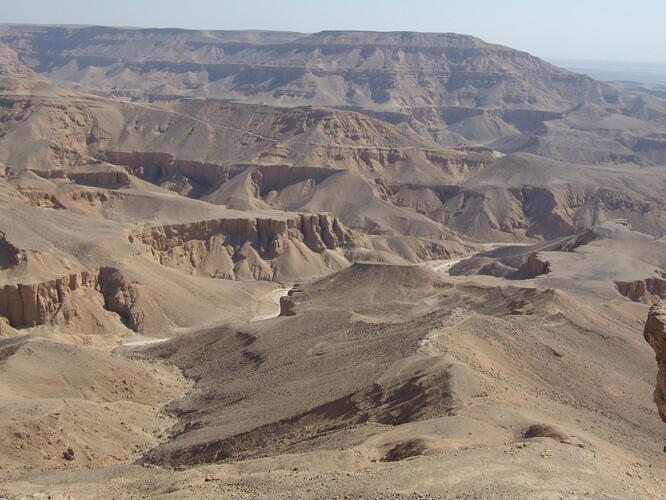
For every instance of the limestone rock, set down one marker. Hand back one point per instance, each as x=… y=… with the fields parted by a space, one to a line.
x=248 y=248
x=655 y=334
x=10 y=256
x=531 y=268
x=120 y=297
x=27 y=305
x=649 y=290
x=32 y=304
x=287 y=305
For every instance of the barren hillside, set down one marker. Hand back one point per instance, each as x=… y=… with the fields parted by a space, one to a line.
x=339 y=265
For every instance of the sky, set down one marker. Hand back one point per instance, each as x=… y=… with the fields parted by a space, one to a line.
x=610 y=30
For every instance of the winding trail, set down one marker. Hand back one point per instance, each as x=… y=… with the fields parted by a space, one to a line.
x=268 y=307
x=444 y=266
x=143 y=341
x=271 y=302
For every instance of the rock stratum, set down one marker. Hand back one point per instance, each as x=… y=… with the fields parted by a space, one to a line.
x=454 y=88
x=327 y=68
x=261 y=249
x=121 y=277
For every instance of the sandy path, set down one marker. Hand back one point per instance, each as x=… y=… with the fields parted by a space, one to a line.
x=268 y=307
x=138 y=342
x=443 y=266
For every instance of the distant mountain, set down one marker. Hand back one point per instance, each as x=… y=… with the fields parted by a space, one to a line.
x=455 y=88
x=366 y=69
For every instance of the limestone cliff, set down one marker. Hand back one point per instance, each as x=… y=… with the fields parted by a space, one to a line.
x=530 y=269
x=454 y=88
x=655 y=334
x=293 y=247
x=332 y=68
x=27 y=305
x=287 y=247
x=648 y=290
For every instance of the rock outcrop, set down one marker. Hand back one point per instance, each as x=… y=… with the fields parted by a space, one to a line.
x=120 y=297
x=287 y=303
x=26 y=305
x=182 y=176
x=101 y=178
x=655 y=334
x=10 y=256
x=32 y=304
x=248 y=248
x=650 y=290
x=513 y=267
x=531 y=268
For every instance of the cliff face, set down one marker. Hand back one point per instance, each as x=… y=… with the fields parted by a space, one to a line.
x=530 y=269
x=650 y=290
x=32 y=304
x=9 y=255
x=247 y=248
x=655 y=334
x=195 y=178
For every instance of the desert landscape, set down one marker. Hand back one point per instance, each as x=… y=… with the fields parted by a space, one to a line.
x=251 y=264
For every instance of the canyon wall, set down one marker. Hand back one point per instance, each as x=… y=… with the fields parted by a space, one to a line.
x=650 y=290
x=251 y=248
x=32 y=304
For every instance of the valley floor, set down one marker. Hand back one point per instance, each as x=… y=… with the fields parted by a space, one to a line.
x=389 y=382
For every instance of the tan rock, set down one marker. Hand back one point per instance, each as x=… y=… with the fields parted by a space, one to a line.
x=655 y=334
x=648 y=290
x=247 y=248
x=32 y=304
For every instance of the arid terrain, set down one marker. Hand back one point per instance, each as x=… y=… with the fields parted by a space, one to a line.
x=338 y=265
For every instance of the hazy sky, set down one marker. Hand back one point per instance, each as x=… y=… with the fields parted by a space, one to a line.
x=628 y=30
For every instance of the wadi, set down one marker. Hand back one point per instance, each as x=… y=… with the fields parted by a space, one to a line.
x=248 y=264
